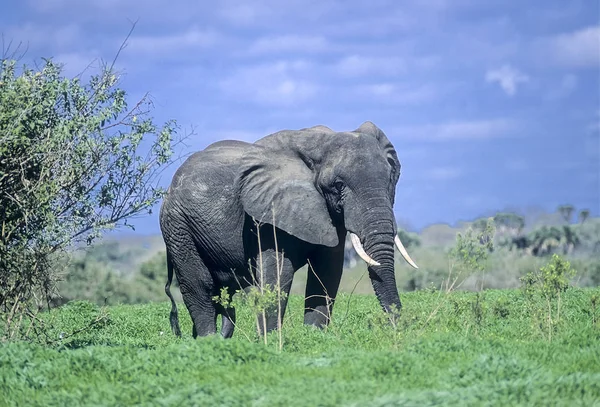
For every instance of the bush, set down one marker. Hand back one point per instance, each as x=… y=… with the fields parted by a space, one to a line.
x=548 y=284
x=72 y=164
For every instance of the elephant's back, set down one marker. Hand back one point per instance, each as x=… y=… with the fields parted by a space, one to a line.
x=211 y=169
x=215 y=156
x=202 y=197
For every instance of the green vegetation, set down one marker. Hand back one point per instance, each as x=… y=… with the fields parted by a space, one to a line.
x=517 y=250
x=478 y=349
x=75 y=160
x=91 y=276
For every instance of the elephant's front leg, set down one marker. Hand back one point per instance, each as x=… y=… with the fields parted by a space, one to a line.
x=324 y=275
x=274 y=272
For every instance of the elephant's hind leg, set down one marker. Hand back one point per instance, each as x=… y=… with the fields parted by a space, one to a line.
x=196 y=285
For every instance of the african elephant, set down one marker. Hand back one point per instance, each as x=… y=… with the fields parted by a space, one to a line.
x=295 y=194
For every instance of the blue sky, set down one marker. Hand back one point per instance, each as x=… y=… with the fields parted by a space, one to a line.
x=490 y=104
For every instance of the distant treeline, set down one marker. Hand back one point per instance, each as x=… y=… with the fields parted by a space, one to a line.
x=134 y=272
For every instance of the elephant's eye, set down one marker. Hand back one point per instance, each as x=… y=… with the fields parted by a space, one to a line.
x=338 y=185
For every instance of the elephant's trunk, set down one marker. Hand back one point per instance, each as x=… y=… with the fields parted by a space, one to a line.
x=360 y=250
x=377 y=236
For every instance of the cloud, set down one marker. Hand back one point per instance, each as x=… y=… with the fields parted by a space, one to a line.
x=276 y=13
x=78 y=63
x=242 y=14
x=282 y=83
x=458 y=130
x=289 y=43
x=42 y=35
x=580 y=48
x=507 y=77
x=52 y=5
x=356 y=65
x=593 y=128
x=156 y=12
x=563 y=88
x=192 y=38
x=569 y=83
x=592 y=147
x=476 y=200
x=398 y=93
x=443 y=173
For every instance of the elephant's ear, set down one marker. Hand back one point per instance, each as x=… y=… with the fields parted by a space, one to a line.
x=277 y=187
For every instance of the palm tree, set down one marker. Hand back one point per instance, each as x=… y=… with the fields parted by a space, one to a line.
x=509 y=222
x=566 y=211
x=583 y=215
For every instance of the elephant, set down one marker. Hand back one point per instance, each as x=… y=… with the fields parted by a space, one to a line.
x=286 y=200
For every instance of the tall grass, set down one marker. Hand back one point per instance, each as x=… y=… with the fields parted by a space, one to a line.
x=478 y=349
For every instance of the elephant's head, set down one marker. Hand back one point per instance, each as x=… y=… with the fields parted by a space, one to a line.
x=317 y=184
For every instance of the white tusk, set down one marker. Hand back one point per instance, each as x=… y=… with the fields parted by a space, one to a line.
x=403 y=252
x=361 y=251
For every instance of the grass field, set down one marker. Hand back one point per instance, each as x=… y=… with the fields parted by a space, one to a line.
x=492 y=348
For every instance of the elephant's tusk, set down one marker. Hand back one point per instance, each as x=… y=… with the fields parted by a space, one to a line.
x=361 y=251
x=403 y=252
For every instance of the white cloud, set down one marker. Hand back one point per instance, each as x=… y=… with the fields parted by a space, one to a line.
x=479 y=129
x=356 y=65
x=458 y=130
x=51 y=5
x=282 y=83
x=42 y=35
x=381 y=89
x=563 y=88
x=273 y=12
x=398 y=93
x=289 y=43
x=475 y=200
x=507 y=77
x=121 y=11
x=580 y=48
x=594 y=126
x=569 y=83
x=242 y=14
x=78 y=63
x=193 y=38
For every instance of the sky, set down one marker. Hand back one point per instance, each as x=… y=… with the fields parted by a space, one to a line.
x=491 y=105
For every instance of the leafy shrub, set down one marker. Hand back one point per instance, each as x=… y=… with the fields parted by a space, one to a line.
x=72 y=164
x=548 y=283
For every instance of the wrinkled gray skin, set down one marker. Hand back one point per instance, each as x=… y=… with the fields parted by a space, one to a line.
x=320 y=184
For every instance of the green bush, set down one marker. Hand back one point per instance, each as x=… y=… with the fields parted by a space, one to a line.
x=74 y=160
x=89 y=279
x=545 y=287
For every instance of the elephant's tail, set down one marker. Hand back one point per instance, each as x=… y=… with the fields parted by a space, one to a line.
x=173 y=317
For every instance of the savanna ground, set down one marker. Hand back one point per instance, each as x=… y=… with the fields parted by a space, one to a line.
x=495 y=347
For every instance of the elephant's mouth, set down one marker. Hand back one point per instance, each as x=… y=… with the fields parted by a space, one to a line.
x=358 y=247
